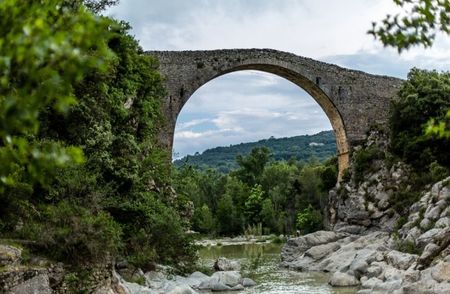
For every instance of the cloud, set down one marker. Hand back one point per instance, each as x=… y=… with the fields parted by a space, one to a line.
x=249 y=105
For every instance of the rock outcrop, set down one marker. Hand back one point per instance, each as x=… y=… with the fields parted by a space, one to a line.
x=368 y=244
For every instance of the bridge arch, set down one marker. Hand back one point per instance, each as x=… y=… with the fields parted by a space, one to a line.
x=352 y=100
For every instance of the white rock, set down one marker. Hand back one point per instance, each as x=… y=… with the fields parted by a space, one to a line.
x=441 y=272
x=320 y=251
x=9 y=255
x=425 y=223
x=392 y=274
x=443 y=222
x=238 y=287
x=446 y=212
x=37 y=285
x=413 y=234
x=401 y=260
x=133 y=288
x=428 y=237
x=339 y=279
x=374 y=271
x=183 y=289
x=196 y=278
x=429 y=250
x=433 y=213
x=247 y=282
x=229 y=278
x=371 y=283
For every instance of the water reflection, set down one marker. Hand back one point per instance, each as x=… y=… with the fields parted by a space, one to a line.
x=269 y=276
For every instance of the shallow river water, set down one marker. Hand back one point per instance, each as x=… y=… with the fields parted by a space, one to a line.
x=261 y=263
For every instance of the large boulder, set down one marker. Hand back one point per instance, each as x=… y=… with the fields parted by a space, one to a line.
x=39 y=284
x=196 y=278
x=339 y=279
x=182 y=289
x=229 y=278
x=441 y=272
x=401 y=260
x=9 y=255
x=224 y=264
x=320 y=251
x=295 y=247
x=247 y=282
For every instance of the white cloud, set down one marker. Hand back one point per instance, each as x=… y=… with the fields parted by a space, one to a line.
x=249 y=105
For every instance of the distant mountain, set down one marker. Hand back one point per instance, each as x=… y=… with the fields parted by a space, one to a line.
x=320 y=146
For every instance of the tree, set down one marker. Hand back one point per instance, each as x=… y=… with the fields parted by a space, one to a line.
x=43 y=56
x=252 y=166
x=309 y=220
x=423 y=96
x=418 y=25
x=253 y=205
x=226 y=216
x=440 y=128
x=268 y=215
x=421 y=21
x=203 y=220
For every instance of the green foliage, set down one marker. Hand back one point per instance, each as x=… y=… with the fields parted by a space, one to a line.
x=278 y=240
x=423 y=96
x=438 y=172
x=439 y=128
x=301 y=148
x=119 y=201
x=73 y=234
x=42 y=57
x=253 y=205
x=417 y=25
x=252 y=166
x=256 y=200
x=226 y=216
x=203 y=221
x=99 y=5
x=267 y=213
x=309 y=220
x=253 y=230
x=406 y=246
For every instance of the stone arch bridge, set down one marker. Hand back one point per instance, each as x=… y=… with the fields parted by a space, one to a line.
x=352 y=100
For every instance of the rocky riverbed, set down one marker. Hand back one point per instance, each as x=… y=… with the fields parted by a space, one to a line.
x=373 y=260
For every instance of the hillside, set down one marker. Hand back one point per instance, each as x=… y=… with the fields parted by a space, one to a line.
x=320 y=146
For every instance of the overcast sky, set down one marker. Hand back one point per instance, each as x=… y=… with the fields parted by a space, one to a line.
x=251 y=105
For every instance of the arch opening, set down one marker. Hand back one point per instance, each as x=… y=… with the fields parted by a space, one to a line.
x=316 y=88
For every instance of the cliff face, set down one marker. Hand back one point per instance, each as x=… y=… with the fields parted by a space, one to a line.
x=386 y=235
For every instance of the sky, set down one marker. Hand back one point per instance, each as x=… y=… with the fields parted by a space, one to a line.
x=247 y=106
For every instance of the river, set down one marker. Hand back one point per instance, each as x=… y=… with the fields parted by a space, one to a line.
x=261 y=263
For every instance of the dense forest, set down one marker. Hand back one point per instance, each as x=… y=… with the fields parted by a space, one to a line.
x=81 y=178
x=262 y=195
x=320 y=146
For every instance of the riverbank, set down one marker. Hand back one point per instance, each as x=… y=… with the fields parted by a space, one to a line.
x=241 y=240
x=413 y=258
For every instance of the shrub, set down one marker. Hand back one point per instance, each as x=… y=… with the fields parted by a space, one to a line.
x=422 y=97
x=73 y=234
x=362 y=161
x=309 y=220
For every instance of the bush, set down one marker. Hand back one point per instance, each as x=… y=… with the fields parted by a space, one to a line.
x=362 y=161
x=73 y=234
x=422 y=97
x=309 y=220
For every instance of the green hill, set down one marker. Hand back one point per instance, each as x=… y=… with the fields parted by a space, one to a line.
x=320 y=146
